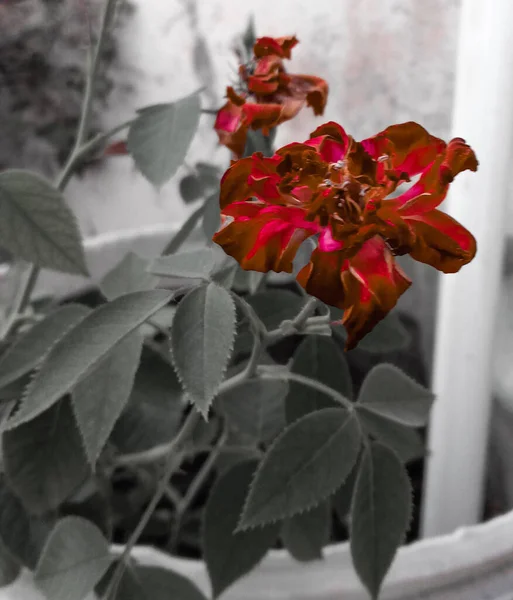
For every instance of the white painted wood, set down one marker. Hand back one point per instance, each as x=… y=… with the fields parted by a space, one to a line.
x=483 y=114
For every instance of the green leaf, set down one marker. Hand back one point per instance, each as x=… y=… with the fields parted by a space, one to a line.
x=129 y=275
x=304 y=466
x=152 y=583
x=37 y=225
x=99 y=398
x=256 y=408
x=202 y=341
x=388 y=335
x=30 y=348
x=272 y=307
x=154 y=410
x=225 y=274
x=275 y=306
x=44 y=459
x=405 y=442
x=15 y=527
x=231 y=555
x=184 y=232
x=211 y=216
x=389 y=392
x=304 y=535
x=380 y=514
x=83 y=347
x=9 y=567
x=248 y=281
x=190 y=188
x=342 y=498
x=197 y=264
x=75 y=558
x=249 y=36
x=318 y=357
x=230 y=456
x=161 y=135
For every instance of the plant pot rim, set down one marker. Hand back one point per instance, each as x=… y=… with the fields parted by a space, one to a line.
x=474 y=558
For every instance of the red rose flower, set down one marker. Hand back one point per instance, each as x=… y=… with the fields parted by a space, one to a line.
x=343 y=190
x=268 y=95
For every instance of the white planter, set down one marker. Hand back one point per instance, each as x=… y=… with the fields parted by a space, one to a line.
x=474 y=563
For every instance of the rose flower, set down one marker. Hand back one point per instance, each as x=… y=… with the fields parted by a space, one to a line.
x=267 y=95
x=342 y=191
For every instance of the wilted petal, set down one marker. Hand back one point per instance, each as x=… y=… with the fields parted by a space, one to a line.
x=267 y=116
x=441 y=241
x=433 y=185
x=282 y=46
x=264 y=179
x=367 y=286
x=409 y=147
x=331 y=141
x=372 y=285
x=234 y=182
x=321 y=277
x=314 y=89
x=266 y=239
x=458 y=157
x=265 y=79
x=230 y=128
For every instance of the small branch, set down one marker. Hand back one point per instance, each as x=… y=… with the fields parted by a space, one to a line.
x=173 y=462
x=266 y=372
x=195 y=487
x=297 y=325
x=85 y=117
x=172 y=495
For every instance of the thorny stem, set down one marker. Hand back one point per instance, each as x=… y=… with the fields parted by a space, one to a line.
x=173 y=462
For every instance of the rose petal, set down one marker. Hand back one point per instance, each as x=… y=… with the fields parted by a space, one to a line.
x=327 y=243
x=433 y=185
x=372 y=284
x=282 y=46
x=321 y=277
x=458 y=157
x=268 y=240
x=367 y=286
x=267 y=116
x=331 y=141
x=230 y=129
x=263 y=180
x=234 y=182
x=313 y=89
x=441 y=241
x=409 y=146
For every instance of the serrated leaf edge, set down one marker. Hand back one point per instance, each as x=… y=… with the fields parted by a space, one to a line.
x=44 y=355
x=28 y=388
x=249 y=526
x=187 y=395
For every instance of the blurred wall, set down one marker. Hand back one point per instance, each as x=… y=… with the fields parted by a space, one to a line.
x=386 y=61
